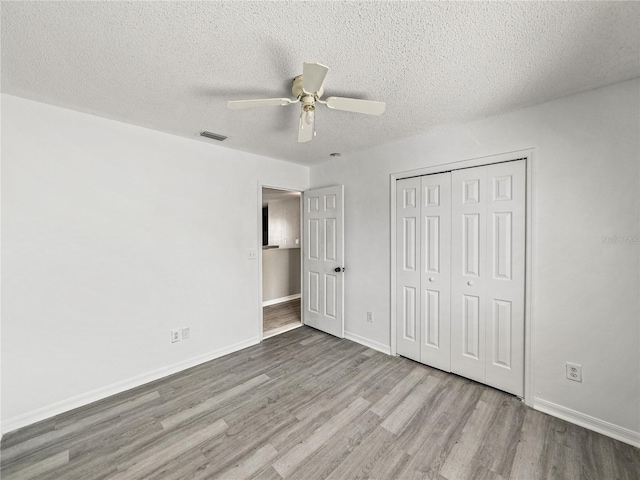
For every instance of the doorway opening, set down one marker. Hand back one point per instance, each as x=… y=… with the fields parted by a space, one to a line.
x=281 y=261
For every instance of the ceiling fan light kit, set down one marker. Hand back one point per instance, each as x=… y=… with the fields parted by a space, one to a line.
x=308 y=89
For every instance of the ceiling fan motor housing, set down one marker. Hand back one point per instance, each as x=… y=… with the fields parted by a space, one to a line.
x=298 y=92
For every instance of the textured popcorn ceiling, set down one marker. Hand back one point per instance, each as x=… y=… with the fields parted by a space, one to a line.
x=173 y=66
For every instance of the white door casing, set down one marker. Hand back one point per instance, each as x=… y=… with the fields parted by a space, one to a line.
x=435 y=271
x=323 y=253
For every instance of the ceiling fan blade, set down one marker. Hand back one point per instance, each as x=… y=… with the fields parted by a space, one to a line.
x=265 y=102
x=306 y=127
x=313 y=77
x=367 y=107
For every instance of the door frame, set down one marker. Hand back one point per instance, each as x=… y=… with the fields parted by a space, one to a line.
x=528 y=156
x=259 y=250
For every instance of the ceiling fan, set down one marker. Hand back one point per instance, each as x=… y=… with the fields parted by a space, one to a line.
x=307 y=89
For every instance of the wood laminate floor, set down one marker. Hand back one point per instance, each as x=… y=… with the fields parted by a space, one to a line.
x=281 y=317
x=305 y=405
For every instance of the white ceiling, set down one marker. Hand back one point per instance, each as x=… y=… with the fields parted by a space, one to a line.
x=172 y=66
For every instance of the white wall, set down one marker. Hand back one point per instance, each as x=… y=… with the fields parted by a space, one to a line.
x=112 y=236
x=585 y=293
x=280 y=273
x=284 y=222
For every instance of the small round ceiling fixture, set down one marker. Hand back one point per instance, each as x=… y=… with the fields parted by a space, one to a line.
x=335 y=154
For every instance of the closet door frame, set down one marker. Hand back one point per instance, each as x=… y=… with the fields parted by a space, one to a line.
x=528 y=156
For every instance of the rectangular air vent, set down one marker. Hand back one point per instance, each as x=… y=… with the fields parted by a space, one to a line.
x=214 y=136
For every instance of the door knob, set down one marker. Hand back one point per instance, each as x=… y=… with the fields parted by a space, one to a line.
x=470 y=283
x=431 y=279
x=338 y=269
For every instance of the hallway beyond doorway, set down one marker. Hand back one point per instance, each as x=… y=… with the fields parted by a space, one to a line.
x=281 y=317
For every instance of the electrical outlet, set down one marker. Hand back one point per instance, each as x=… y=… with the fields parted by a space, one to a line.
x=186 y=333
x=252 y=254
x=370 y=317
x=574 y=372
x=175 y=336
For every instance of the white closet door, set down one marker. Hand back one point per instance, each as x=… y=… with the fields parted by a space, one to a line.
x=408 y=268
x=468 y=272
x=460 y=255
x=435 y=278
x=487 y=278
x=505 y=280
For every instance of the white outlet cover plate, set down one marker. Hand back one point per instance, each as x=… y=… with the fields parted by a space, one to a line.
x=186 y=333
x=252 y=254
x=175 y=336
x=574 y=372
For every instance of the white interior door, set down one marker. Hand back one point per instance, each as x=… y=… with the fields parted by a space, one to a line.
x=506 y=188
x=468 y=272
x=408 y=215
x=435 y=275
x=323 y=259
x=460 y=255
x=487 y=277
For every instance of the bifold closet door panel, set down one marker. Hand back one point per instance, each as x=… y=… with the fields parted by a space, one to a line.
x=408 y=257
x=506 y=188
x=468 y=272
x=435 y=278
x=460 y=255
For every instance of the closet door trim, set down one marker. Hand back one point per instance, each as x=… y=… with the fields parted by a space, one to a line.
x=528 y=155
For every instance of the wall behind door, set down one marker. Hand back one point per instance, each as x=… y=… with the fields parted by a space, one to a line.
x=280 y=273
x=284 y=222
x=586 y=301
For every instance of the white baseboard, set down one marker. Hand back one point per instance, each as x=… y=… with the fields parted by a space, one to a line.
x=280 y=300
x=57 y=408
x=367 y=343
x=609 y=429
